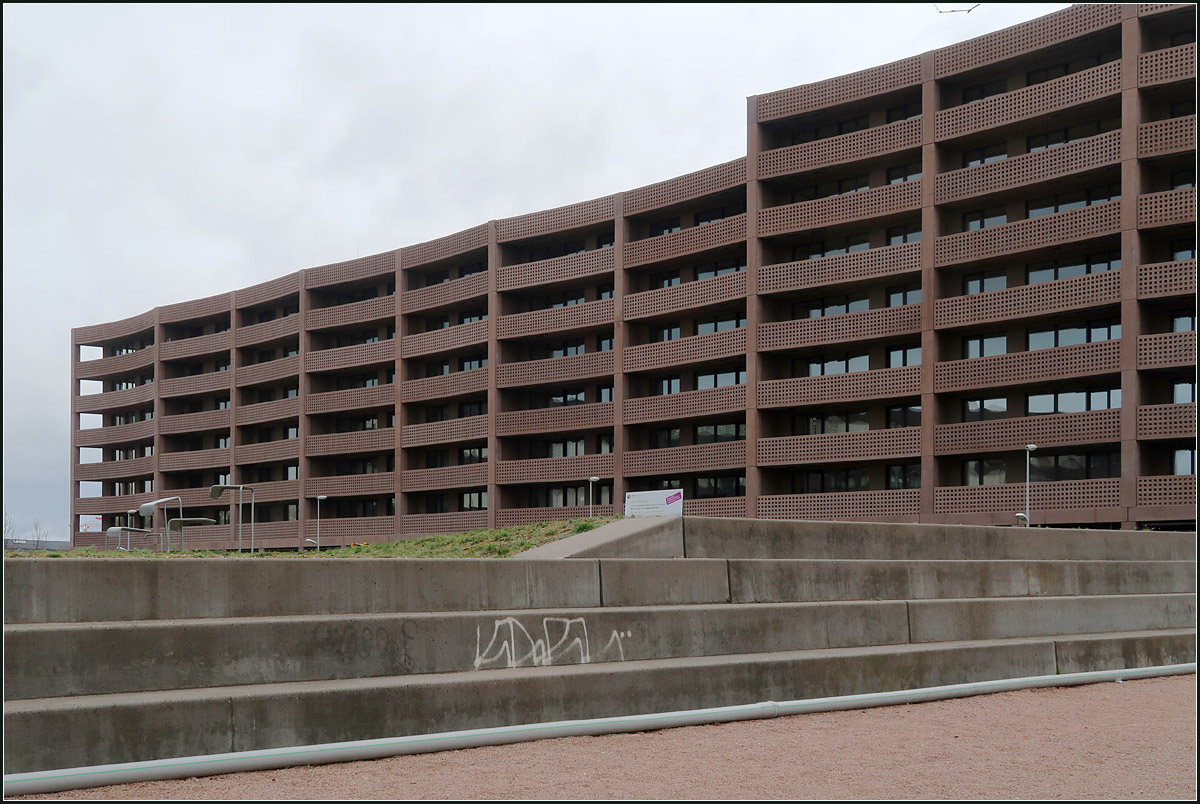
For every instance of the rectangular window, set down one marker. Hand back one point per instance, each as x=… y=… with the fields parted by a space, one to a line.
x=471 y=316
x=1066 y=268
x=707 y=326
x=904 y=416
x=910 y=171
x=719 y=433
x=473 y=501
x=987 y=472
x=837 y=364
x=830 y=248
x=721 y=486
x=665 y=386
x=605 y=393
x=468 y=455
x=1064 y=202
x=664 y=227
x=664 y=438
x=904 y=356
x=984 y=346
x=568 y=298
x=605 y=291
x=985 y=409
x=472 y=409
x=904 y=476
x=573 y=247
x=830 y=481
x=471 y=363
x=1183 y=462
x=709 y=270
x=710 y=215
x=1183 y=391
x=606 y=240
x=660 y=333
x=984 y=282
x=984 y=219
x=982 y=156
x=1072 y=336
x=664 y=280
x=720 y=379
x=839 y=421
x=905 y=111
x=977 y=92
x=605 y=342
x=469 y=270
x=837 y=305
x=904 y=295
x=1072 y=401
x=1183 y=320
x=910 y=233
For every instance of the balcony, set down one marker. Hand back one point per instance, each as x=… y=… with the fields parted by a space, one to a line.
x=545 y=221
x=109 y=470
x=269 y=291
x=686 y=241
x=676 y=460
x=351 y=485
x=432 y=524
x=344 y=530
x=215 y=343
x=266 y=492
x=363 y=354
x=445 y=294
x=1165 y=279
x=115 y=330
x=267 y=411
x=367 y=311
x=114 y=434
x=1058 y=430
x=1166 y=421
x=1167 y=208
x=116 y=365
x=1027 y=235
x=871 y=142
x=853 y=386
x=194 y=459
x=1032 y=168
x=267 y=331
x=269 y=371
x=450 y=431
x=555 y=369
x=597 y=415
x=548 y=470
x=1177 y=135
x=444 y=386
x=1035 y=101
x=1166 y=490
x=1166 y=350
x=196 y=384
x=444 y=247
x=111 y=504
x=528 y=516
x=900 y=505
x=557 y=319
x=686 y=405
x=376 y=396
x=196 y=308
x=446 y=477
x=826 y=271
x=867 y=325
x=663 y=301
x=1167 y=66
x=351 y=270
x=899 y=442
x=380 y=440
x=836 y=209
x=1062 y=495
x=196 y=422
x=557 y=269
x=282 y=450
x=716 y=506
x=697 y=184
x=1060 y=295
x=693 y=349
x=842 y=89
x=1025 y=368
x=445 y=340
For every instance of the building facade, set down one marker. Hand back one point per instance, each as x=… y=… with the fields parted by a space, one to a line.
x=915 y=271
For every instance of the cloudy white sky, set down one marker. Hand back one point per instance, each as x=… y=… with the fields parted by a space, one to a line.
x=157 y=154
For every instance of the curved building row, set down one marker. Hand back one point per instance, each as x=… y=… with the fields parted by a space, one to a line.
x=915 y=271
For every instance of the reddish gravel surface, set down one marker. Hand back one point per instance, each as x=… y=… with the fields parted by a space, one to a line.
x=1104 y=741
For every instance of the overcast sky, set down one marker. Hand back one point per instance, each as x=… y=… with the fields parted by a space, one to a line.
x=158 y=154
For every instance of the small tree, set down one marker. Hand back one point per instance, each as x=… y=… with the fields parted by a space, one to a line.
x=39 y=534
x=10 y=528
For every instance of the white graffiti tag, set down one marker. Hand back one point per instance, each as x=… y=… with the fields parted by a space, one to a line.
x=562 y=639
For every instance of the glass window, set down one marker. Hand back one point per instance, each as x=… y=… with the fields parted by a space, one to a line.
x=905 y=111
x=838 y=305
x=840 y=421
x=719 y=268
x=904 y=476
x=986 y=472
x=909 y=233
x=667 y=385
x=1183 y=249
x=722 y=486
x=982 y=156
x=985 y=409
x=1183 y=391
x=718 y=433
x=1066 y=268
x=664 y=280
x=664 y=227
x=605 y=291
x=605 y=443
x=568 y=298
x=606 y=240
x=472 y=363
x=1064 y=202
x=606 y=393
x=710 y=215
x=707 y=326
x=1182 y=179
x=904 y=416
x=983 y=219
x=984 y=346
x=977 y=92
x=664 y=438
x=910 y=171
x=1183 y=320
x=720 y=379
x=1071 y=336
x=1183 y=462
x=984 y=282
x=904 y=356
x=904 y=295
x=664 y=332
x=830 y=248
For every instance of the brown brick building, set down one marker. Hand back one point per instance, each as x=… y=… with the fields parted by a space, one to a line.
x=915 y=271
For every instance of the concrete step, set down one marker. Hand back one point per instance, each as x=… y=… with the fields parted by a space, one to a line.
x=95 y=658
x=92 y=730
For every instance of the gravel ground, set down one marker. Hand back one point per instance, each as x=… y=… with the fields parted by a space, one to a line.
x=1132 y=740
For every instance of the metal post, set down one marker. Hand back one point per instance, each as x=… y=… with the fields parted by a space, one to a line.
x=1029 y=448
x=251 y=519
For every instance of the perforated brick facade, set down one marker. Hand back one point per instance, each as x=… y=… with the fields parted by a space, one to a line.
x=912 y=272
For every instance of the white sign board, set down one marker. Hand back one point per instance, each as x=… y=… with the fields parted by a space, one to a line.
x=666 y=502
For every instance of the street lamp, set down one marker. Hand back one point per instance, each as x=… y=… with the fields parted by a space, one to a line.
x=128 y=531
x=318 y=498
x=591 y=480
x=215 y=493
x=179 y=522
x=148 y=509
x=1029 y=448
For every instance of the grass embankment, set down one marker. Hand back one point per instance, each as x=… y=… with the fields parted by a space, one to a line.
x=500 y=543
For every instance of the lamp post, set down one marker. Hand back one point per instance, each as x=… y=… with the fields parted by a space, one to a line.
x=179 y=522
x=215 y=493
x=1029 y=448
x=318 y=498
x=591 y=480
x=148 y=509
x=128 y=531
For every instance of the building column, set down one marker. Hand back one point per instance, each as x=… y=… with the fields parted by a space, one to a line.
x=493 y=369
x=620 y=341
x=753 y=307
x=930 y=229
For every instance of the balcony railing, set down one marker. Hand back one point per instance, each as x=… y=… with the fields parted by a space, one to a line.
x=1034 y=233
x=195 y=422
x=447 y=432
x=900 y=505
x=281 y=450
x=663 y=301
x=1060 y=295
x=196 y=384
x=1168 y=65
x=1167 y=490
x=855 y=385
x=194 y=459
x=445 y=477
x=865 y=144
x=696 y=184
x=444 y=386
x=381 y=308
x=1034 y=101
x=675 y=460
x=1063 y=429
x=376 y=396
x=363 y=354
x=557 y=269
x=885 y=200
x=823 y=271
x=1165 y=279
x=445 y=340
x=527 y=516
x=1167 y=208
x=215 y=343
x=686 y=405
x=1166 y=421
x=1166 y=350
x=546 y=470
x=445 y=294
x=716 y=506
x=1023 y=368
x=1032 y=168
x=842 y=89
x=114 y=434
x=275 y=330
x=597 y=415
x=108 y=470
x=379 y=440
x=115 y=365
x=268 y=411
x=686 y=241
x=269 y=371
x=431 y=524
x=113 y=400
x=864 y=326
x=141 y=324
x=351 y=485
x=899 y=442
x=343 y=530
x=555 y=369
x=557 y=319
x=693 y=349
x=1008 y=497
x=1160 y=137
